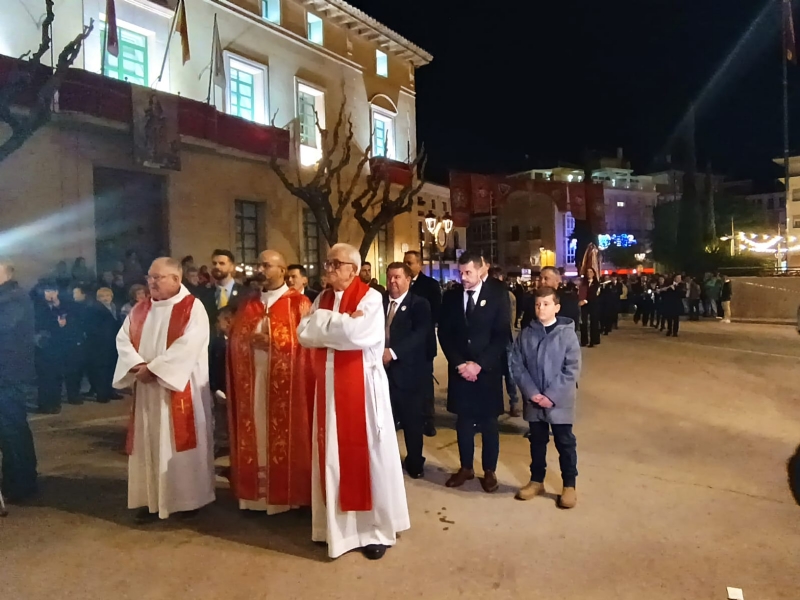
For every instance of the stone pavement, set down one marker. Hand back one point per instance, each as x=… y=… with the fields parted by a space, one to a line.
x=682 y=492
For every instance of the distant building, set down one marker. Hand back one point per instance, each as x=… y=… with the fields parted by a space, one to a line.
x=771 y=207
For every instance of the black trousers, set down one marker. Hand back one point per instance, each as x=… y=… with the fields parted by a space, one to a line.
x=409 y=410
x=567 y=447
x=694 y=310
x=647 y=314
x=16 y=444
x=103 y=376
x=50 y=379
x=429 y=401
x=673 y=323
x=490 y=438
x=590 y=326
x=74 y=368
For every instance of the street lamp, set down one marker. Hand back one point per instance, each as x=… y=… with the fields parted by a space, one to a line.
x=434 y=224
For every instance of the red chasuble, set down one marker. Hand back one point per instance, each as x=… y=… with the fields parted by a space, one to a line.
x=182 y=410
x=286 y=479
x=355 y=485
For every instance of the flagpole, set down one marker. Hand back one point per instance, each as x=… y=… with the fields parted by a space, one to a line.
x=211 y=69
x=786 y=50
x=169 y=41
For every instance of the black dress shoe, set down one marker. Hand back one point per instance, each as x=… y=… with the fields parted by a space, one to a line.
x=144 y=516
x=186 y=515
x=414 y=471
x=430 y=430
x=374 y=551
x=116 y=396
x=75 y=401
x=49 y=410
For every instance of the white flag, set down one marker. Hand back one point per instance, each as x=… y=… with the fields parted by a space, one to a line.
x=218 y=69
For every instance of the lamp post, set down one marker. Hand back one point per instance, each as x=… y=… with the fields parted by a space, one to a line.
x=434 y=224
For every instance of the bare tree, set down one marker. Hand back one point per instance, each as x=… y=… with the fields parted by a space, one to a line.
x=374 y=206
x=27 y=82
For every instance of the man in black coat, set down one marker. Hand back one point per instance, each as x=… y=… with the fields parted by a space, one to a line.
x=474 y=330
x=224 y=291
x=408 y=323
x=297 y=277
x=56 y=326
x=568 y=297
x=16 y=372
x=428 y=288
x=102 y=328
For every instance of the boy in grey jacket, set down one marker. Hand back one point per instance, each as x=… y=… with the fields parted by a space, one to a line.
x=546 y=363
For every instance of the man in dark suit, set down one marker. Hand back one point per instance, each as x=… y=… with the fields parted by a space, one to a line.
x=408 y=323
x=225 y=291
x=103 y=325
x=567 y=297
x=428 y=288
x=474 y=330
x=297 y=278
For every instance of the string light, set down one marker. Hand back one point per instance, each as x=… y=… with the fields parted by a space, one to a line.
x=769 y=245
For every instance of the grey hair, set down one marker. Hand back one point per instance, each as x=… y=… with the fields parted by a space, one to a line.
x=351 y=252
x=8 y=265
x=171 y=264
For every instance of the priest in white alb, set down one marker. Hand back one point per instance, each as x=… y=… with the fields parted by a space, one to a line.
x=358 y=497
x=163 y=353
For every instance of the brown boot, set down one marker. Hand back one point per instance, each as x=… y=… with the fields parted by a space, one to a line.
x=460 y=478
x=530 y=491
x=489 y=482
x=568 y=498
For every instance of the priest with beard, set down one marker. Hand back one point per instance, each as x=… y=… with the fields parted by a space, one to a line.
x=269 y=398
x=358 y=497
x=163 y=353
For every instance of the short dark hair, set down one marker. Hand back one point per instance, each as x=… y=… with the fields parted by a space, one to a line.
x=84 y=288
x=135 y=289
x=222 y=252
x=400 y=265
x=551 y=270
x=415 y=253
x=296 y=267
x=187 y=259
x=366 y=263
x=544 y=292
x=496 y=272
x=225 y=311
x=188 y=270
x=470 y=257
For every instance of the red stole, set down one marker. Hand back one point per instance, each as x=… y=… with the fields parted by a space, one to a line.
x=355 y=485
x=181 y=408
x=286 y=478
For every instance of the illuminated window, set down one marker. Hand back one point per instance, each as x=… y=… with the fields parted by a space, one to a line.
x=310 y=107
x=620 y=205
x=382 y=134
x=131 y=64
x=271 y=10
x=314 y=28
x=246 y=89
x=382 y=63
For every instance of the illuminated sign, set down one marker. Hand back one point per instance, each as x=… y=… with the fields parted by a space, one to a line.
x=621 y=240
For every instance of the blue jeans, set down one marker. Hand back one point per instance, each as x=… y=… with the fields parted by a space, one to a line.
x=567 y=447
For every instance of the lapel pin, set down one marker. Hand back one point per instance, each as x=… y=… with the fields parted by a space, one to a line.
x=483 y=302
x=235 y=293
x=403 y=307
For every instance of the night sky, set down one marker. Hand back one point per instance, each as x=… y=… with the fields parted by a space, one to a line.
x=527 y=84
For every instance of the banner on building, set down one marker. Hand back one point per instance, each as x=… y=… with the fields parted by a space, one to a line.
x=460 y=198
x=156 y=141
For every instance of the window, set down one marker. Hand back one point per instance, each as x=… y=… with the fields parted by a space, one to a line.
x=248 y=231
x=534 y=233
x=310 y=242
x=382 y=134
x=310 y=107
x=444 y=206
x=770 y=203
x=456 y=240
x=247 y=96
x=796 y=224
x=433 y=203
x=382 y=63
x=570 y=245
x=314 y=28
x=271 y=10
x=513 y=235
x=131 y=64
x=620 y=205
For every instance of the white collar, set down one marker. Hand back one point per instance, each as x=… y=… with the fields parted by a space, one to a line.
x=476 y=289
x=398 y=300
x=182 y=293
x=276 y=292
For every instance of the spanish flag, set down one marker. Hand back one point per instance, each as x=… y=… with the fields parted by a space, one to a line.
x=183 y=30
x=789 y=42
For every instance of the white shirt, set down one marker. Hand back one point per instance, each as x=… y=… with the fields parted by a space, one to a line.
x=477 y=290
x=397 y=302
x=270 y=297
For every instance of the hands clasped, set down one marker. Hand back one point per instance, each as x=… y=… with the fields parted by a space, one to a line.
x=543 y=401
x=142 y=373
x=469 y=370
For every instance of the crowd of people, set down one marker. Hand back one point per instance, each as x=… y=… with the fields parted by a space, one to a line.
x=302 y=387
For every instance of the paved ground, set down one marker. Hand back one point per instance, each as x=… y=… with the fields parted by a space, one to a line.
x=682 y=492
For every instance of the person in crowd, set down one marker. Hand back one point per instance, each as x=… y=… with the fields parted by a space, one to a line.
x=226 y=291
x=204 y=276
x=639 y=295
x=659 y=320
x=474 y=332
x=52 y=343
x=137 y=293
x=725 y=297
x=81 y=274
x=366 y=276
x=269 y=396
x=62 y=278
x=649 y=303
x=120 y=289
x=187 y=262
x=672 y=304
x=297 y=278
x=19 y=477
x=428 y=288
x=76 y=363
x=567 y=293
x=589 y=301
x=191 y=280
x=106 y=279
x=711 y=289
x=623 y=285
x=608 y=304
x=358 y=495
x=514 y=408
x=132 y=271
x=546 y=361
x=408 y=323
x=103 y=325
x=695 y=294
x=218 y=379
x=163 y=348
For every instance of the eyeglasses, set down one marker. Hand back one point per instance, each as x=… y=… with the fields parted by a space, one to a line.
x=335 y=264
x=157 y=278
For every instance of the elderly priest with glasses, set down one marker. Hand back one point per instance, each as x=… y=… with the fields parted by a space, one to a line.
x=358 y=496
